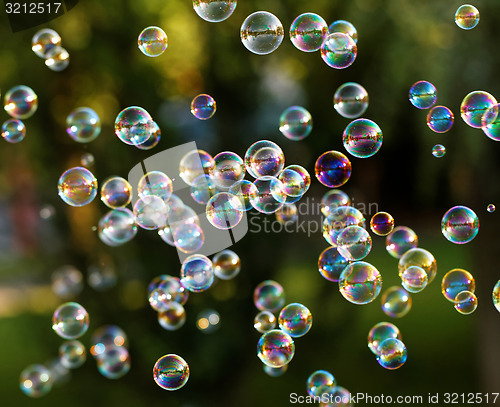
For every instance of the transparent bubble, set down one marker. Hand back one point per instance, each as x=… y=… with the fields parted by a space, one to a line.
x=116 y=192
x=114 y=362
x=460 y=225
x=208 y=321
x=107 y=337
x=295 y=319
x=224 y=210
x=158 y=299
x=332 y=200
x=275 y=371
x=171 y=372
x=188 y=237
x=194 y=164
x=150 y=212
x=172 y=316
x=261 y=33
x=203 y=107
x=331 y=264
x=197 y=273
x=72 y=354
x=320 y=382
x=227 y=169
x=152 y=41
x=70 y=320
x=456 y=281
x=303 y=173
x=87 y=160
x=117 y=227
x=288 y=213
x=227 y=264
x=172 y=287
x=77 y=186
x=490 y=208
x=345 y=27
x=382 y=223
x=392 y=354
x=414 y=279
x=400 y=240
x=440 y=119
x=354 y=243
x=83 y=125
x=264 y=321
x=350 y=100
x=496 y=295
x=57 y=59
x=339 y=396
x=154 y=137
x=269 y=296
x=490 y=122
x=438 y=151
x=333 y=169
x=245 y=191
x=467 y=17
x=275 y=348
x=308 y=31
x=67 y=282
x=474 y=106
x=296 y=123
x=396 y=302
x=339 y=219
x=13 y=131
x=465 y=302
x=44 y=40
x=293 y=183
x=203 y=189
x=214 y=11
x=270 y=195
x=379 y=333
x=423 y=95
x=360 y=283
x=155 y=183
x=20 y=102
x=133 y=125
x=421 y=258
x=339 y=51
x=264 y=158
x=35 y=381
x=362 y=138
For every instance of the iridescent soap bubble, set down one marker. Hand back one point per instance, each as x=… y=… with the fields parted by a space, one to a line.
x=423 y=95
x=396 y=302
x=337 y=396
x=275 y=371
x=70 y=320
x=354 y=243
x=333 y=169
x=264 y=321
x=172 y=316
x=264 y=158
x=293 y=183
x=158 y=299
x=152 y=41
x=339 y=51
x=345 y=27
x=13 y=131
x=227 y=169
x=214 y=11
x=465 y=302
x=303 y=173
x=392 y=354
x=414 y=279
x=208 y=321
x=362 y=138
x=490 y=122
x=288 y=213
x=295 y=319
x=261 y=33
x=244 y=190
x=496 y=295
x=269 y=296
x=203 y=107
x=107 y=337
x=360 y=283
x=456 y=281
x=350 y=100
x=296 y=123
x=460 y=225
x=400 y=240
x=57 y=59
x=154 y=137
x=77 y=186
x=171 y=372
x=332 y=200
x=270 y=195
x=227 y=264
x=224 y=210
x=72 y=354
x=438 y=151
x=114 y=362
x=44 y=40
x=133 y=125
x=467 y=17
x=117 y=227
x=188 y=237
x=67 y=281
x=331 y=264
x=83 y=125
x=35 y=381
x=193 y=164
x=116 y=192
x=320 y=382
x=421 y=258
x=382 y=223
x=490 y=208
x=203 y=189
x=440 y=119
x=150 y=212
x=197 y=273
x=474 y=106
x=338 y=220
x=20 y=102
x=155 y=183
x=173 y=288
x=308 y=31
x=275 y=348
x=379 y=333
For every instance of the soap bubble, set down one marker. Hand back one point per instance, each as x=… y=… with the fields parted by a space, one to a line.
x=83 y=125
x=20 y=102
x=379 y=333
x=57 y=59
x=152 y=41
x=275 y=371
x=264 y=158
x=345 y=27
x=269 y=296
x=438 y=151
x=474 y=106
x=245 y=191
x=227 y=264
x=44 y=40
x=188 y=237
x=158 y=299
x=264 y=321
x=339 y=397
x=13 y=131
x=155 y=183
x=116 y=192
x=261 y=33
x=460 y=225
x=308 y=32
x=172 y=316
x=467 y=17
x=331 y=264
x=67 y=282
x=354 y=243
x=203 y=189
x=293 y=183
x=203 y=107
x=87 y=160
x=171 y=372
x=70 y=320
x=35 y=381
x=350 y=100
x=275 y=348
x=303 y=173
x=396 y=302
x=319 y=383
x=117 y=227
x=332 y=200
x=392 y=354
x=490 y=208
x=382 y=223
x=171 y=286
x=414 y=279
x=288 y=213
x=362 y=138
x=400 y=240
x=72 y=354
x=114 y=362
x=214 y=11
x=333 y=169
x=224 y=210
x=490 y=122
x=77 y=186
x=423 y=95
x=270 y=195
x=295 y=319
x=339 y=51
x=496 y=295
x=338 y=220
x=150 y=212
x=208 y=321
x=133 y=125
x=465 y=302
x=456 y=281
x=360 y=283
x=193 y=164
x=107 y=337
x=227 y=169
x=296 y=123
x=197 y=273
x=154 y=137
x=440 y=119
x=421 y=258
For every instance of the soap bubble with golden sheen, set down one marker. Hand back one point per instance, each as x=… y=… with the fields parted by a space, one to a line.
x=421 y=258
x=116 y=192
x=261 y=33
x=77 y=186
x=152 y=41
x=414 y=279
x=227 y=264
x=172 y=316
x=467 y=17
x=465 y=302
x=276 y=348
x=392 y=354
x=381 y=332
x=456 y=281
x=20 y=102
x=214 y=11
x=44 y=40
x=333 y=169
x=57 y=59
x=460 y=225
x=264 y=321
x=320 y=382
x=400 y=240
x=360 y=283
x=382 y=223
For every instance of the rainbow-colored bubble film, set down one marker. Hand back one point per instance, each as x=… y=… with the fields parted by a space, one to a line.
x=421 y=258
x=21 y=102
x=319 y=382
x=400 y=240
x=438 y=151
x=350 y=100
x=171 y=372
x=379 y=333
x=269 y=296
x=465 y=302
x=440 y=119
x=72 y=354
x=83 y=125
x=362 y=138
x=308 y=31
x=460 y=225
x=331 y=264
x=275 y=348
x=392 y=354
x=467 y=17
x=345 y=27
x=474 y=106
x=35 y=381
x=423 y=95
x=261 y=33
x=333 y=169
x=339 y=51
x=396 y=302
x=296 y=123
x=360 y=283
x=214 y=11
x=44 y=40
x=197 y=273
x=414 y=279
x=264 y=321
x=295 y=319
x=354 y=243
x=203 y=107
x=455 y=281
x=152 y=41
x=13 y=131
x=114 y=362
x=382 y=223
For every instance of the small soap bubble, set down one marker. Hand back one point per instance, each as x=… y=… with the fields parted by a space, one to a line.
x=35 y=381
x=270 y=195
x=392 y=354
x=193 y=164
x=360 y=283
x=296 y=123
x=224 y=211
x=354 y=243
x=133 y=125
x=345 y=27
x=150 y=212
x=350 y=100
x=171 y=286
x=396 y=302
x=264 y=158
x=197 y=273
x=44 y=40
x=333 y=169
x=214 y=11
x=423 y=95
x=203 y=107
x=172 y=316
x=154 y=137
x=275 y=371
x=331 y=264
x=83 y=125
x=319 y=383
x=440 y=119
x=20 y=102
x=117 y=227
x=116 y=192
x=414 y=279
x=261 y=33
x=438 y=151
x=158 y=299
x=264 y=321
x=288 y=213
x=456 y=281
x=87 y=160
x=72 y=354
x=13 y=131
x=362 y=138
x=421 y=258
x=379 y=333
x=490 y=208
x=227 y=169
x=203 y=189
x=339 y=51
x=465 y=302
x=308 y=31
x=293 y=183
x=227 y=264
x=400 y=240
x=188 y=237
x=152 y=41
x=303 y=173
x=382 y=223
x=155 y=183
x=332 y=200
x=467 y=17
x=245 y=191
x=114 y=362
x=339 y=219
x=171 y=372
x=340 y=397
x=460 y=225
x=275 y=348
x=496 y=295
x=67 y=282
x=57 y=59
x=208 y=321
x=70 y=320
x=474 y=106
x=269 y=296
x=107 y=337
x=295 y=319
x=490 y=122
x=77 y=186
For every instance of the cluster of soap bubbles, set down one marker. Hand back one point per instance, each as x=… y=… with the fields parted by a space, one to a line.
x=20 y=102
x=385 y=341
x=109 y=347
x=458 y=287
x=322 y=386
x=46 y=44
